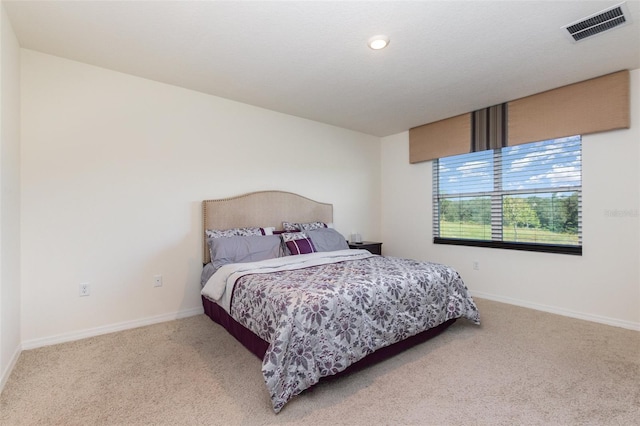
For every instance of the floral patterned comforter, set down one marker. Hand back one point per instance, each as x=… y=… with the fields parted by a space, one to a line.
x=321 y=319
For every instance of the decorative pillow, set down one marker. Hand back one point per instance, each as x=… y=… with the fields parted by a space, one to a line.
x=327 y=239
x=238 y=232
x=269 y=230
x=243 y=249
x=290 y=227
x=298 y=243
x=293 y=227
x=291 y=236
x=312 y=225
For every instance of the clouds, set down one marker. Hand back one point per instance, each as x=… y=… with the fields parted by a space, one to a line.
x=537 y=167
x=467 y=173
x=543 y=165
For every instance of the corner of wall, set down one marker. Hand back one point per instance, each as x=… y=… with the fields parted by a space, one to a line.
x=10 y=285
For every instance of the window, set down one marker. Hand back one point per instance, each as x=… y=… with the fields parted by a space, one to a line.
x=525 y=197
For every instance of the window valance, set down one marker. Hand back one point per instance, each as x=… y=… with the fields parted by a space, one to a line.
x=591 y=106
x=427 y=142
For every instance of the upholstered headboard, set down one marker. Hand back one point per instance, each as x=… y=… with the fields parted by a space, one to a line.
x=262 y=209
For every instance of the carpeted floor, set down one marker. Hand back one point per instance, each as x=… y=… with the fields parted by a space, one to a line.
x=519 y=367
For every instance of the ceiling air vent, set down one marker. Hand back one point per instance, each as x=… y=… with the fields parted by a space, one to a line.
x=597 y=23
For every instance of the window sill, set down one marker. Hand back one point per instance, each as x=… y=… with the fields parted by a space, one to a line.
x=541 y=248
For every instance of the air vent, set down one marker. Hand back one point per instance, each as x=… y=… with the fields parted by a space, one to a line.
x=597 y=23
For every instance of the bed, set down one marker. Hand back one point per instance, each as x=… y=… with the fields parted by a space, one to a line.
x=289 y=289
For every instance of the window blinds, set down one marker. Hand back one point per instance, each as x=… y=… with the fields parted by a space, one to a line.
x=525 y=194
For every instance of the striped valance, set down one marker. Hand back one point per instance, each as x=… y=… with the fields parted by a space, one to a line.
x=489 y=128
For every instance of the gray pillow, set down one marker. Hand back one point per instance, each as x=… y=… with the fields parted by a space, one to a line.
x=327 y=239
x=243 y=249
x=208 y=270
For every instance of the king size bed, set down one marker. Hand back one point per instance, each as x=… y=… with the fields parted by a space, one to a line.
x=284 y=283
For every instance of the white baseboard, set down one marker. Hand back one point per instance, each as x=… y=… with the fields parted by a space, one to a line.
x=91 y=332
x=7 y=371
x=559 y=311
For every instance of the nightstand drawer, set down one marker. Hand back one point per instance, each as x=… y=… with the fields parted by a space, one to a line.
x=372 y=246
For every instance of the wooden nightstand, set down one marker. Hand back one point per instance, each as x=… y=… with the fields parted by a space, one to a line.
x=372 y=246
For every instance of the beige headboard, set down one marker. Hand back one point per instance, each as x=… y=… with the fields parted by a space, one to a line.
x=263 y=209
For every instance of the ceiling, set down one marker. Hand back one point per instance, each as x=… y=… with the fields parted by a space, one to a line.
x=311 y=59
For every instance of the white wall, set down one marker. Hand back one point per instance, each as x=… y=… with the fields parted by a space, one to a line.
x=601 y=285
x=9 y=198
x=114 y=168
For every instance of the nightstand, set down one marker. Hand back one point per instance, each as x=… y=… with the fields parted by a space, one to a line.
x=372 y=246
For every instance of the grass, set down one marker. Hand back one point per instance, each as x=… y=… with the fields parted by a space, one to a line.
x=477 y=231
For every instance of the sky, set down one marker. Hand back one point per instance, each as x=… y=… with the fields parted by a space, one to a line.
x=531 y=168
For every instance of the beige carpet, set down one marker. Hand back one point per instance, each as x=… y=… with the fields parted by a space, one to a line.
x=519 y=367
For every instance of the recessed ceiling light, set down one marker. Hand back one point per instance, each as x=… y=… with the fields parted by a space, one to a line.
x=378 y=42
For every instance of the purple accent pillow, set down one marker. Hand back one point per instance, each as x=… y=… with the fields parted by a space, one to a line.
x=301 y=246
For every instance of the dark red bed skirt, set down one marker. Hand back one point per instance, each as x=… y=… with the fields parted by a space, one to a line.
x=258 y=346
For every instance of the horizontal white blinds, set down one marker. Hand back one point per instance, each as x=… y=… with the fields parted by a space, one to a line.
x=526 y=193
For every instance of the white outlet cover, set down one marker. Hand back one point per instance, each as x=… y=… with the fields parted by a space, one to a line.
x=84 y=289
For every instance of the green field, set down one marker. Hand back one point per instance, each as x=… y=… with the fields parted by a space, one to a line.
x=477 y=231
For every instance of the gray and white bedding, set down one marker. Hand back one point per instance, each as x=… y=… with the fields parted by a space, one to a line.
x=322 y=312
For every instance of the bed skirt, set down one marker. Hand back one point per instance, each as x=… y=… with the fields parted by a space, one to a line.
x=259 y=347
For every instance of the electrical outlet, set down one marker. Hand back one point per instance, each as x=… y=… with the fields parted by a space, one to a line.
x=157 y=280
x=84 y=289
x=476 y=265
